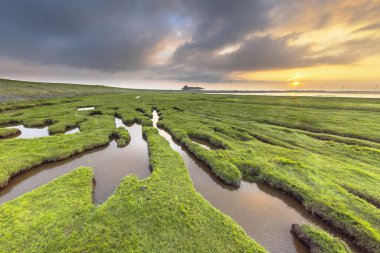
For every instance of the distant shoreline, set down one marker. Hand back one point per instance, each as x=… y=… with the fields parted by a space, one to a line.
x=299 y=93
x=287 y=91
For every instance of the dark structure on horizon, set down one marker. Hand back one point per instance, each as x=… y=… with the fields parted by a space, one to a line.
x=189 y=88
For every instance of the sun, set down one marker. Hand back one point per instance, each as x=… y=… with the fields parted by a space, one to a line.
x=296 y=83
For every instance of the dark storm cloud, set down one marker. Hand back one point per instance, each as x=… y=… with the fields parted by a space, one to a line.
x=116 y=35
x=253 y=54
x=104 y=35
x=221 y=22
x=191 y=75
x=119 y=35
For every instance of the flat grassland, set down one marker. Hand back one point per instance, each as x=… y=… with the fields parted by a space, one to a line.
x=323 y=151
x=12 y=90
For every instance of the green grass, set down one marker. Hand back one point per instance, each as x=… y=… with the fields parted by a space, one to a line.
x=221 y=168
x=277 y=144
x=95 y=130
x=122 y=136
x=162 y=213
x=22 y=154
x=323 y=151
x=48 y=218
x=318 y=240
x=11 y=90
x=8 y=132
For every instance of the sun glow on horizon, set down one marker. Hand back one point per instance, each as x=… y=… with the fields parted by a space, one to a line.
x=363 y=74
x=295 y=83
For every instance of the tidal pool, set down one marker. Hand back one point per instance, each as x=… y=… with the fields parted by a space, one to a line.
x=110 y=165
x=28 y=133
x=265 y=214
x=204 y=144
x=36 y=132
x=73 y=131
x=86 y=108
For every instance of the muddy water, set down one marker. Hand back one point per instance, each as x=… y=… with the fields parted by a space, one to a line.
x=110 y=165
x=265 y=214
x=28 y=133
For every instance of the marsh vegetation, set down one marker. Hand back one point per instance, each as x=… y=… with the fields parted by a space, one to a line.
x=321 y=154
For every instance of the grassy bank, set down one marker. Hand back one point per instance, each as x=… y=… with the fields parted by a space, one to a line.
x=162 y=213
x=18 y=155
x=96 y=129
x=221 y=168
x=318 y=240
x=11 y=90
x=8 y=132
x=323 y=151
x=296 y=145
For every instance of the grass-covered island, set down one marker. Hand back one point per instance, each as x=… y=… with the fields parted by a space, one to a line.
x=324 y=152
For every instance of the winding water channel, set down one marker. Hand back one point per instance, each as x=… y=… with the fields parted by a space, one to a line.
x=110 y=165
x=264 y=213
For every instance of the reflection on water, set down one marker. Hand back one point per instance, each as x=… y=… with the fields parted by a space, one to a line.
x=204 y=144
x=264 y=213
x=86 y=108
x=27 y=133
x=119 y=123
x=73 y=131
x=110 y=165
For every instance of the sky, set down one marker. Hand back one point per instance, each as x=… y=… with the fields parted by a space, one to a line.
x=216 y=44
